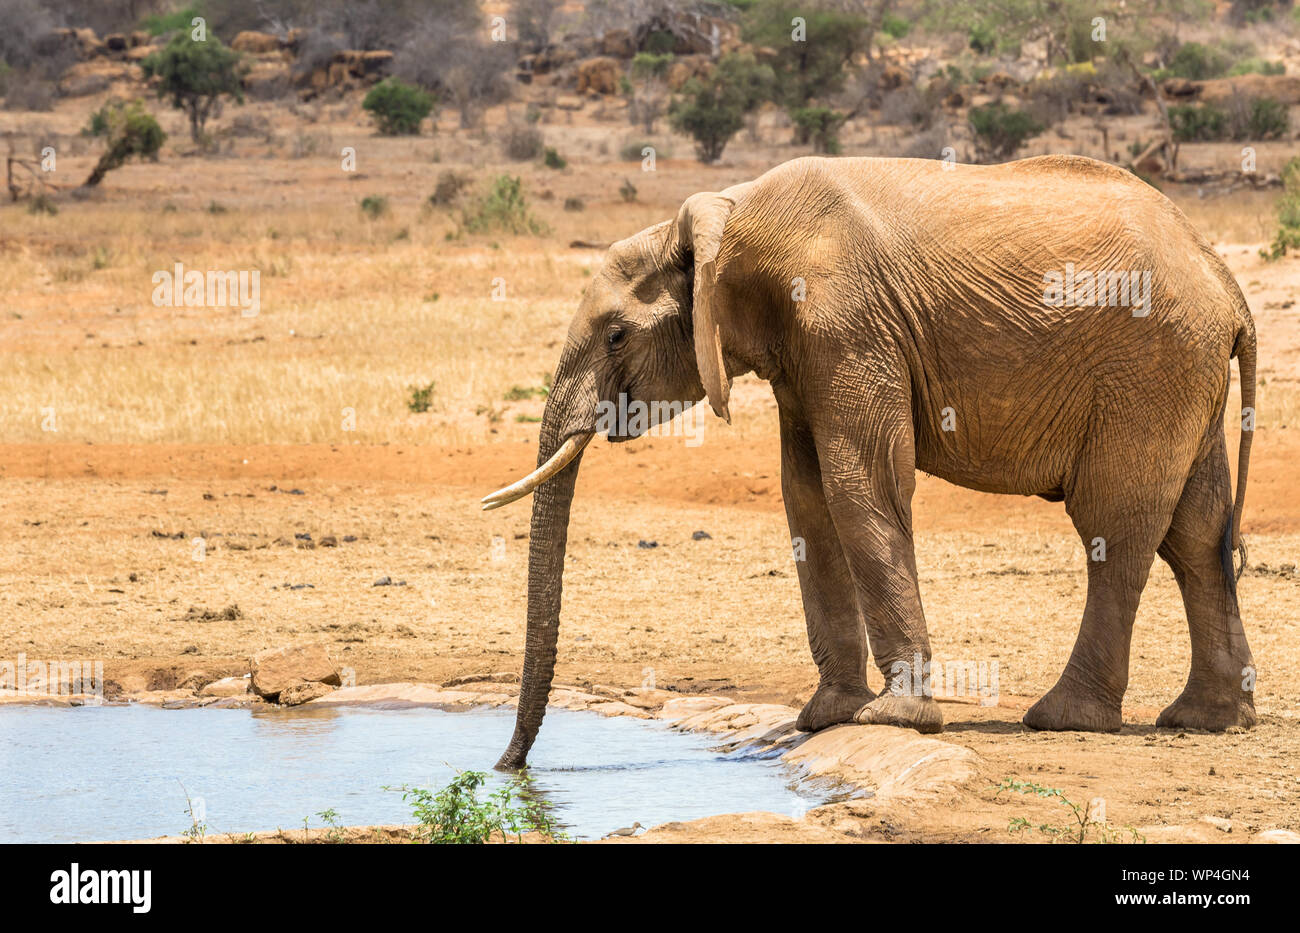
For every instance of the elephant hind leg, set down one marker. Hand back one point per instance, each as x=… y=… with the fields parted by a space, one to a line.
x=1121 y=519
x=1197 y=547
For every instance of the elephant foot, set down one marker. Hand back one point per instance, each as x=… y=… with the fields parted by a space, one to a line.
x=911 y=712
x=831 y=705
x=1213 y=711
x=1070 y=708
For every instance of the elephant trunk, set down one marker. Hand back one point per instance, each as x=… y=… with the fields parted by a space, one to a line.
x=552 y=497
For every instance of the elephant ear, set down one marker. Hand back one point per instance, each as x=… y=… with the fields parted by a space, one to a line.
x=699 y=228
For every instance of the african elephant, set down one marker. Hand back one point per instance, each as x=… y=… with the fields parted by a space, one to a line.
x=921 y=315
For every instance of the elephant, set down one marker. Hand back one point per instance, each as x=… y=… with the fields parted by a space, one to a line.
x=915 y=314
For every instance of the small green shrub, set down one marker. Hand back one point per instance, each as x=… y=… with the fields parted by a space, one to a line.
x=1245 y=118
x=634 y=151
x=421 y=399
x=1196 y=122
x=552 y=159
x=627 y=191
x=1288 y=213
x=1257 y=66
x=575 y=204
x=710 y=112
x=397 y=108
x=128 y=130
x=523 y=393
x=819 y=126
x=895 y=26
x=456 y=816
x=1000 y=131
x=1197 y=62
x=1086 y=827
x=374 y=206
x=502 y=208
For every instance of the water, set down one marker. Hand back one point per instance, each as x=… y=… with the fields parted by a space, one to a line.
x=113 y=772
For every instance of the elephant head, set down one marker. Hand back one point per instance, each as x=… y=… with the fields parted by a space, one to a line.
x=647 y=330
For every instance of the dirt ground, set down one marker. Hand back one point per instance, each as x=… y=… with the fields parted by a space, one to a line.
x=184 y=424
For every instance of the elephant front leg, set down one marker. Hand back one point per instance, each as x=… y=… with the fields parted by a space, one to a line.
x=868 y=486
x=835 y=629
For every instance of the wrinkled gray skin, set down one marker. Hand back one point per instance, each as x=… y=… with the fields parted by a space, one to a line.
x=925 y=293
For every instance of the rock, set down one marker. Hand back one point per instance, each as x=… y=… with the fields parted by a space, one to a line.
x=1219 y=823
x=893 y=77
x=299 y=693
x=599 y=76
x=681 y=707
x=1276 y=837
x=618 y=43
x=194 y=680
x=226 y=687
x=615 y=708
x=85 y=78
x=1283 y=88
x=268 y=81
x=500 y=677
x=276 y=669
x=258 y=43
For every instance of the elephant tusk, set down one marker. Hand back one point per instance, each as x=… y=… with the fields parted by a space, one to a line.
x=571 y=447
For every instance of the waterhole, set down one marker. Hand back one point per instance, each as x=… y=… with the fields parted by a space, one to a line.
x=123 y=772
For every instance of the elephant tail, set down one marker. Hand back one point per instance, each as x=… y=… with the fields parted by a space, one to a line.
x=1244 y=350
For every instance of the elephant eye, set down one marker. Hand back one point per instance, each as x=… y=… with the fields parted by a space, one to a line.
x=617 y=336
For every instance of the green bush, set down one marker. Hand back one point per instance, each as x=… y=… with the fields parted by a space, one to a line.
x=128 y=130
x=1247 y=118
x=421 y=399
x=1197 y=62
x=1000 y=131
x=397 y=108
x=1196 y=122
x=159 y=24
x=196 y=76
x=660 y=42
x=1257 y=66
x=374 y=206
x=1288 y=214
x=983 y=39
x=552 y=159
x=710 y=111
x=1268 y=118
x=819 y=126
x=503 y=208
x=895 y=26
x=634 y=151
x=455 y=815
x=818 y=66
